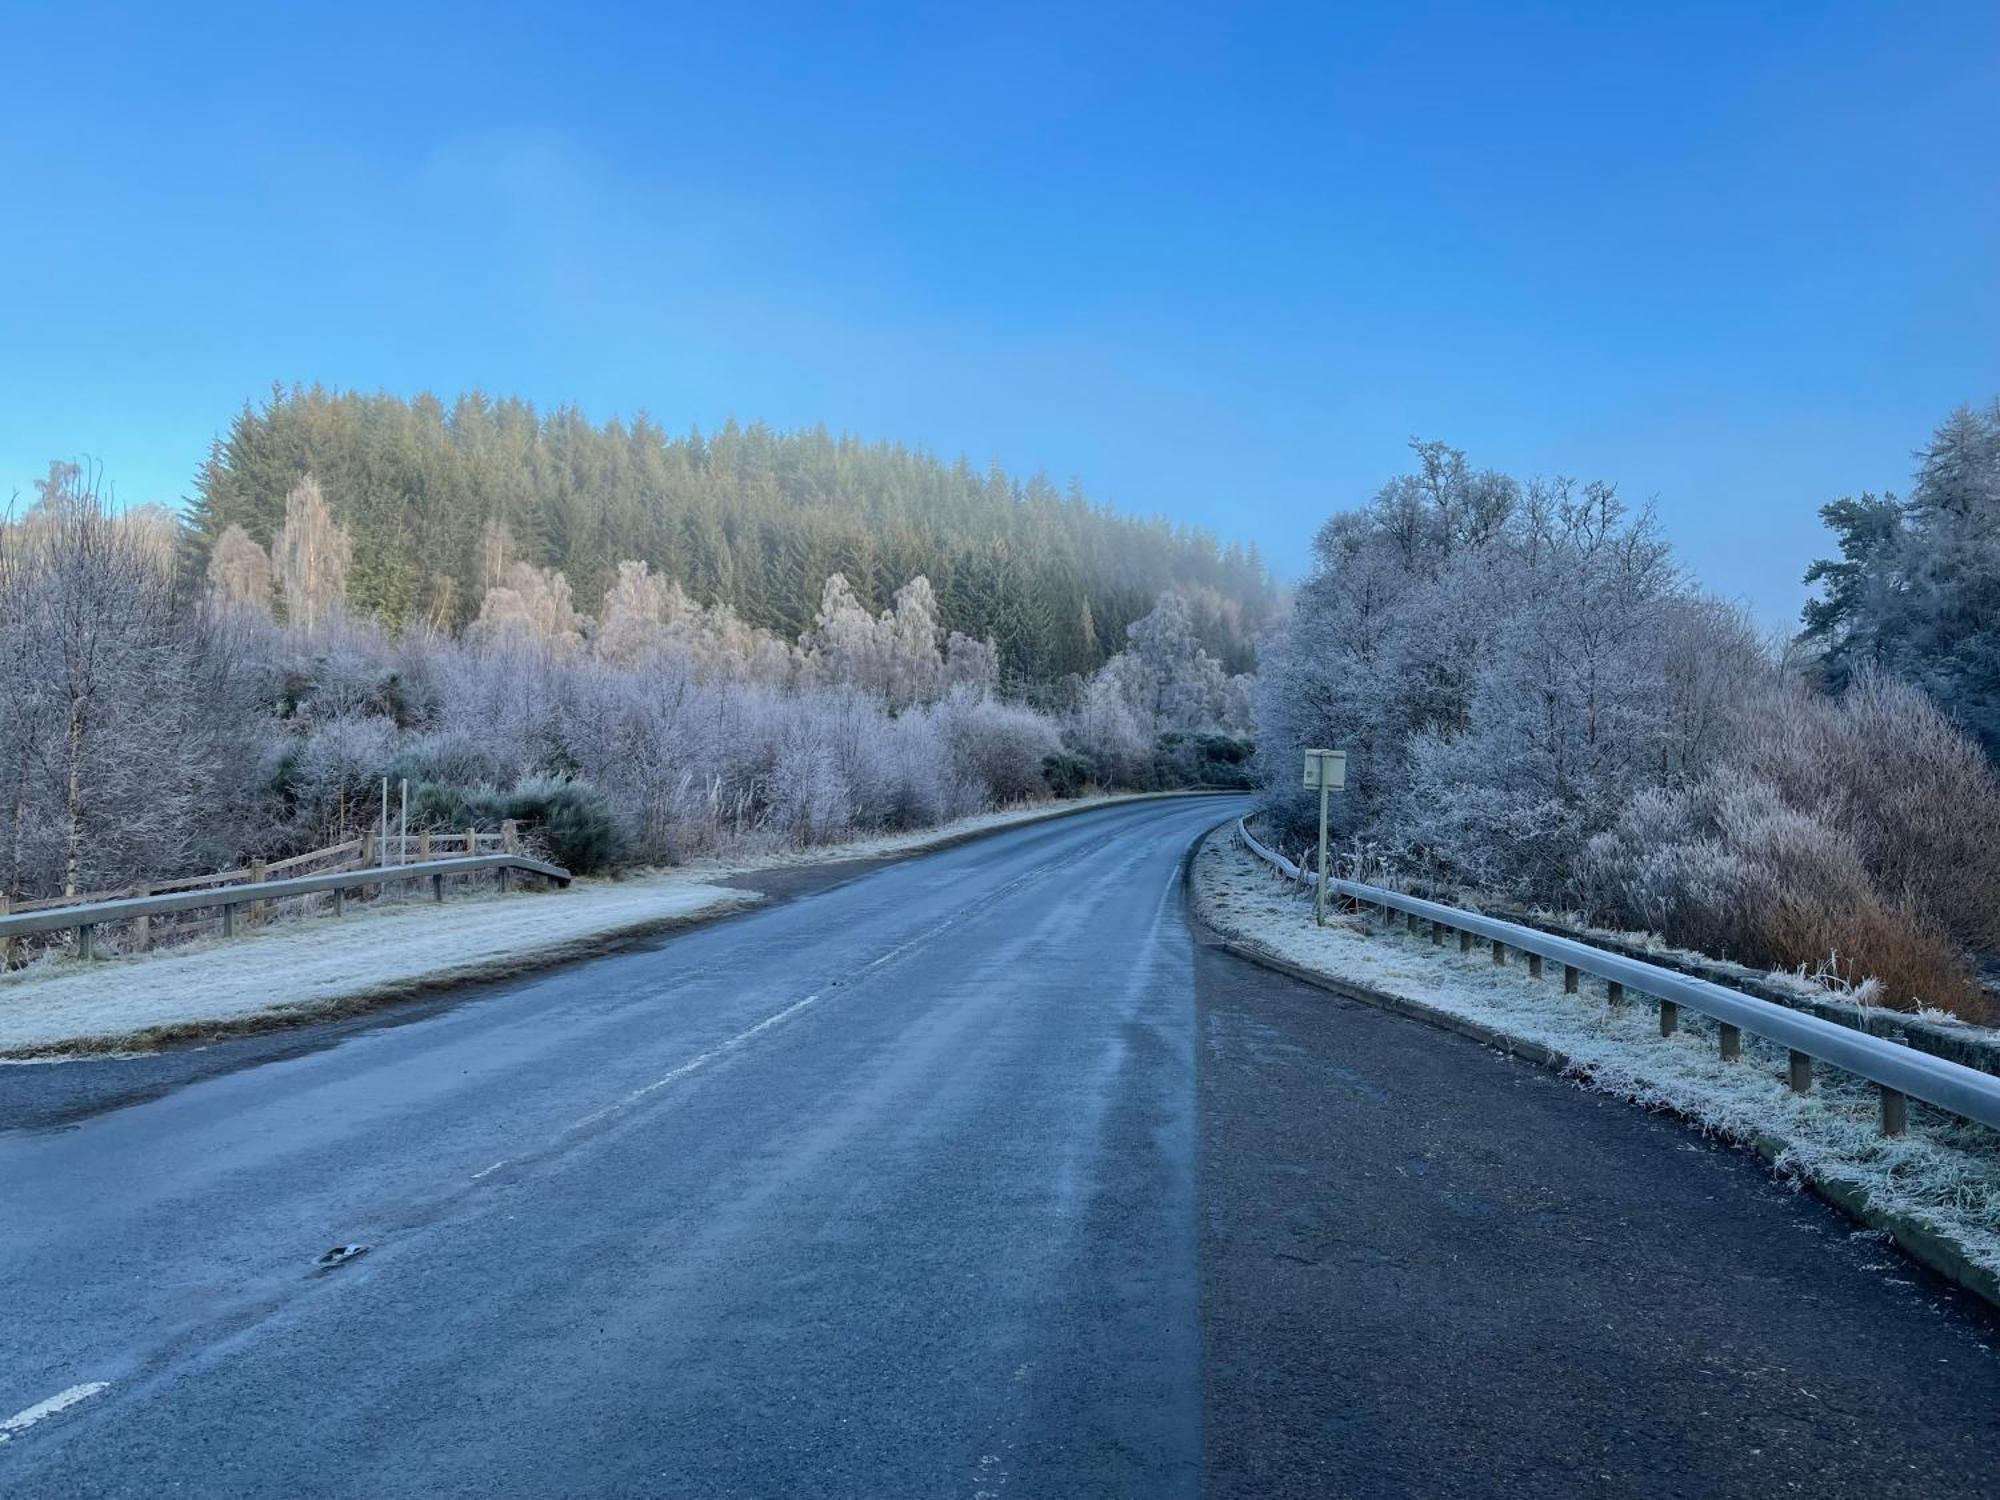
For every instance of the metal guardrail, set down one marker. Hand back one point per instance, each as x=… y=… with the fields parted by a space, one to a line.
x=1899 y=1071
x=87 y=917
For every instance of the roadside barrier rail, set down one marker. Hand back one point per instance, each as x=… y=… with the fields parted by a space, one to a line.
x=84 y=919
x=1901 y=1073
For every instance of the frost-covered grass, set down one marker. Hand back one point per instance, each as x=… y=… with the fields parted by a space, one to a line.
x=1944 y=1174
x=305 y=967
x=319 y=966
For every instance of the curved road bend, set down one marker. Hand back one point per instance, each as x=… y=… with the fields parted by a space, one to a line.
x=975 y=1175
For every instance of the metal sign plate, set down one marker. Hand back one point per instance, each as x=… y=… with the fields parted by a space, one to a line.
x=1326 y=769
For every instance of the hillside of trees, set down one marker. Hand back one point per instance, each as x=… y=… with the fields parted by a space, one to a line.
x=157 y=719
x=1539 y=704
x=440 y=501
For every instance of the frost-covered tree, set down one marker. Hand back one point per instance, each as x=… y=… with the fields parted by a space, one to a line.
x=534 y=604
x=1505 y=666
x=239 y=572
x=893 y=655
x=1916 y=589
x=122 y=721
x=309 y=558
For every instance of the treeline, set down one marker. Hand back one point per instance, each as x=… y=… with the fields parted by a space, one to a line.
x=440 y=501
x=1539 y=704
x=157 y=722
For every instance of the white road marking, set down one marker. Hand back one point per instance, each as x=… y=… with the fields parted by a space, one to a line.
x=21 y=1421
x=490 y=1170
x=703 y=1060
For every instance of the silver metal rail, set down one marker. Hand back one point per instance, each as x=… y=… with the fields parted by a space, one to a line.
x=87 y=917
x=1899 y=1071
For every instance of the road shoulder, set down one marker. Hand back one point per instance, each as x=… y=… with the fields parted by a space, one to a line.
x=1935 y=1191
x=1430 y=1267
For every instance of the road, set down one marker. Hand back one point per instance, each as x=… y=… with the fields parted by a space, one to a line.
x=978 y=1174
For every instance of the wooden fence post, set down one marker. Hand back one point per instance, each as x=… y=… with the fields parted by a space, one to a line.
x=510 y=833
x=258 y=909
x=142 y=927
x=9 y=947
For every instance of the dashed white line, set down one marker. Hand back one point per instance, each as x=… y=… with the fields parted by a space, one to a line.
x=21 y=1421
x=702 y=1061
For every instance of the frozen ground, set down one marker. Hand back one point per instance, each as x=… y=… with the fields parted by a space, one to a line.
x=310 y=967
x=1944 y=1174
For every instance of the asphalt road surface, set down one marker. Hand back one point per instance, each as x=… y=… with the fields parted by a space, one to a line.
x=975 y=1175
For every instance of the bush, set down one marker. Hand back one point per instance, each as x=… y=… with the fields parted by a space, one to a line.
x=1068 y=773
x=999 y=745
x=571 y=819
x=1732 y=869
x=1204 y=760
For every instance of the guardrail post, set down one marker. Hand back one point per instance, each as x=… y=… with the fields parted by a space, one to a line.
x=229 y=919
x=1571 y=977
x=1437 y=934
x=86 y=941
x=1534 y=966
x=502 y=872
x=1499 y=952
x=1799 y=1073
x=1614 y=993
x=1732 y=1040
x=339 y=902
x=1464 y=941
x=1895 y=1112
x=1670 y=1018
x=437 y=887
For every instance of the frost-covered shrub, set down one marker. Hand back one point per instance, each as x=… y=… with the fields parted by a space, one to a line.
x=810 y=801
x=331 y=779
x=1732 y=869
x=1000 y=746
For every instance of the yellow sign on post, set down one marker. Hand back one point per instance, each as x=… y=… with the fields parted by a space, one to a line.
x=1327 y=771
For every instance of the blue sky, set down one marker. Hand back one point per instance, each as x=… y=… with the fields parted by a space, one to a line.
x=1217 y=262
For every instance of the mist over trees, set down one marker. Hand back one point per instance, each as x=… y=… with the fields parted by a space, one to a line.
x=442 y=502
x=1538 y=704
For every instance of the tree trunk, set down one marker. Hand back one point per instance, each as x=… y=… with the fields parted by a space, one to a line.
x=73 y=866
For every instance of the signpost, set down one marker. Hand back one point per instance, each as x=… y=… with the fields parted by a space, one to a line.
x=1327 y=770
